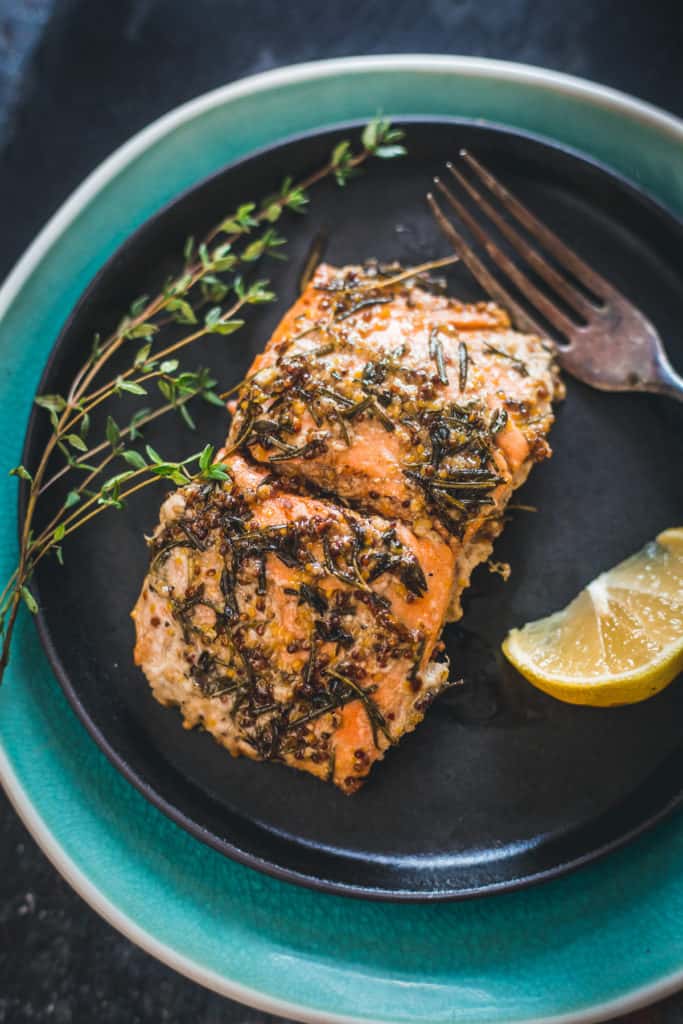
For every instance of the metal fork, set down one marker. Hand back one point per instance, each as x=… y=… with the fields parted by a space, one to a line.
x=605 y=341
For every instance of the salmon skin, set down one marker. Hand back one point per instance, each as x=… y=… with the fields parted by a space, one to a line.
x=295 y=610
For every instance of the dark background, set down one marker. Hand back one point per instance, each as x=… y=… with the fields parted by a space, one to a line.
x=77 y=78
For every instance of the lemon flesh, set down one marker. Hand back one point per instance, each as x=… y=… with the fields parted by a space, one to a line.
x=620 y=641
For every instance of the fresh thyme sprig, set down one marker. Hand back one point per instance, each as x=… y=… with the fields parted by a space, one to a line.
x=212 y=272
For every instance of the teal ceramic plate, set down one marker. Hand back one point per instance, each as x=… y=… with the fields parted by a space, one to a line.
x=582 y=948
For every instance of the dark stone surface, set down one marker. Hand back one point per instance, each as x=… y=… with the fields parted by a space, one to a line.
x=77 y=78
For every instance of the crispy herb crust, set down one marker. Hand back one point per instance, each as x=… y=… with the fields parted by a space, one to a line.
x=338 y=568
x=307 y=402
x=285 y=622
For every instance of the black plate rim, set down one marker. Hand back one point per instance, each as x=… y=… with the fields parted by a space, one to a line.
x=313 y=882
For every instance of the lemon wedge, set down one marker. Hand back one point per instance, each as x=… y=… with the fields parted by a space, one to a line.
x=619 y=641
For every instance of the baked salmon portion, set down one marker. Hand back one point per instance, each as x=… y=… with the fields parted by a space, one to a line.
x=398 y=400
x=295 y=611
x=292 y=628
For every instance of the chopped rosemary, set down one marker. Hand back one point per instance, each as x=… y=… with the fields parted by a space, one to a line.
x=436 y=353
x=379 y=412
x=335 y=396
x=463 y=365
x=358 y=408
x=313 y=596
x=498 y=420
x=304 y=451
x=518 y=364
x=375 y=717
x=192 y=537
x=363 y=304
x=342 y=427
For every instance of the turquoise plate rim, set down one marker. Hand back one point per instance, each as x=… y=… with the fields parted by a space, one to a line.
x=527 y=956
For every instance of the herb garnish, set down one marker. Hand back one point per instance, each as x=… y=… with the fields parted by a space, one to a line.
x=518 y=364
x=498 y=420
x=463 y=364
x=363 y=304
x=456 y=438
x=436 y=352
x=206 y=295
x=375 y=717
x=233 y=664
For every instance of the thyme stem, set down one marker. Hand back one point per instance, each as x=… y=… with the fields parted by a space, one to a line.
x=149 y=418
x=81 y=400
x=422 y=268
x=94 y=512
x=6 y=590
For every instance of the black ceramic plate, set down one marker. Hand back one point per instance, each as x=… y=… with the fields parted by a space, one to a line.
x=501 y=786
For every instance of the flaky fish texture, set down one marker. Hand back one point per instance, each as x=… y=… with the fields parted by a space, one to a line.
x=295 y=611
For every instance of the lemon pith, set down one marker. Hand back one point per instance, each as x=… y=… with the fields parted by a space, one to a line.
x=619 y=641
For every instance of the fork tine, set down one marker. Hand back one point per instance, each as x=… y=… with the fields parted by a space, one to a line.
x=565 y=256
x=550 y=311
x=490 y=285
x=574 y=298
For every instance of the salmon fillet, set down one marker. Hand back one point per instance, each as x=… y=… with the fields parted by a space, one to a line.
x=291 y=627
x=362 y=382
x=295 y=611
